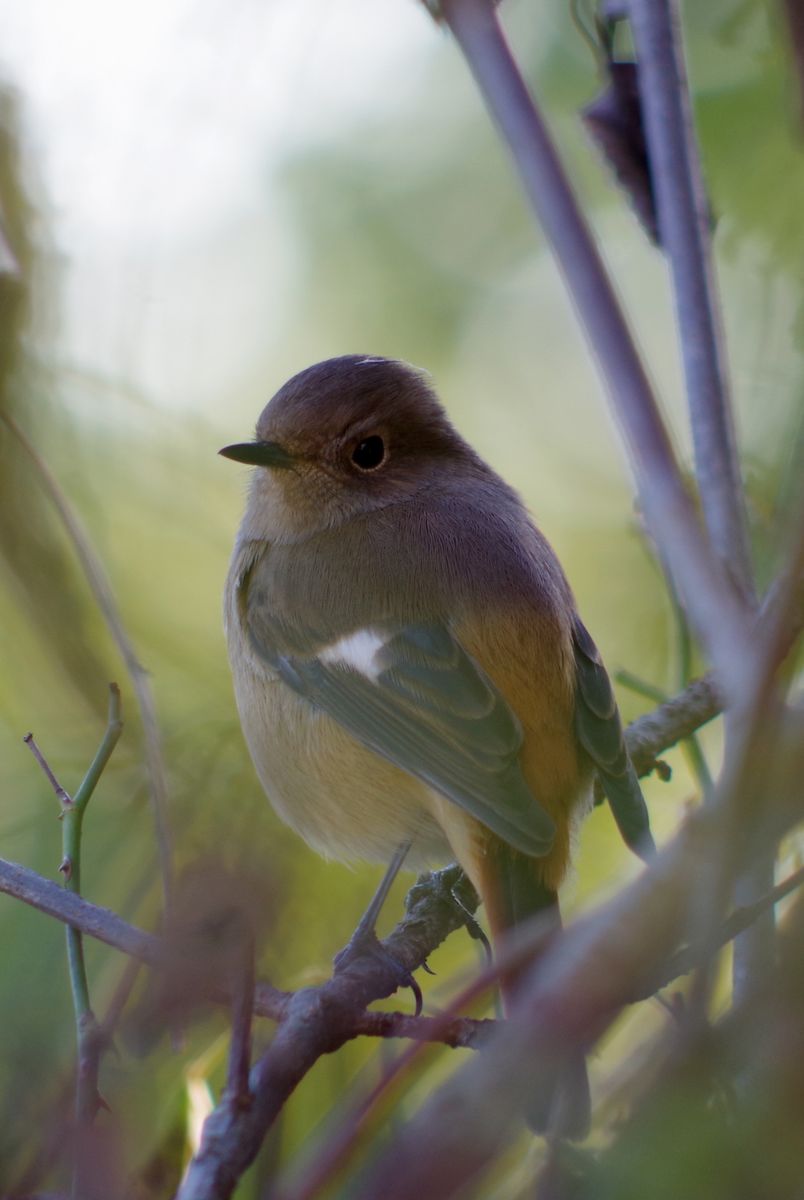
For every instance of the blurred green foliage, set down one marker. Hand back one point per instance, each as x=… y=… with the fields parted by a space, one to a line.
x=128 y=358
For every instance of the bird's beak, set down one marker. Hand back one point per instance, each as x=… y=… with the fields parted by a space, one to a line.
x=259 y=454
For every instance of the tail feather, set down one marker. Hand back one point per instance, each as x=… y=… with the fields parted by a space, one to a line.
x=512 y=892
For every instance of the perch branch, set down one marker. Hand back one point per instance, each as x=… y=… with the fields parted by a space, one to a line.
x=690 y=745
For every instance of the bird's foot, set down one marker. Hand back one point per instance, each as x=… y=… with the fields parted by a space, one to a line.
x=453 y=889
x=364 y=946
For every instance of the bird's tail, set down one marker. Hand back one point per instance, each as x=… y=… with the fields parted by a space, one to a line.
x=512 y=893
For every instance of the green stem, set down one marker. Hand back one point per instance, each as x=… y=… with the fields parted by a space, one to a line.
x=72 y=812
x=641 y=686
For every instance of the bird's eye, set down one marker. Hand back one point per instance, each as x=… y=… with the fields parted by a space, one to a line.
x=370 y=453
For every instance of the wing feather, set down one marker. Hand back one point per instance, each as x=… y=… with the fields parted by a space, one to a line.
x=597 y=724
x=431 y=710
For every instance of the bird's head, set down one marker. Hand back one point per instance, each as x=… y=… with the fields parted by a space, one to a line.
x=343 y=437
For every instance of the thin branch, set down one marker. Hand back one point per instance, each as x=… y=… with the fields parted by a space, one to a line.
x=651 y=734
x=104 y=597
x=62 y=796
x=684 y=226
x=93 y=920
x=778 y=626
x=739 y=920
x=719 y=617
x=690 y=745
x=458 y=1033
x=429 y=921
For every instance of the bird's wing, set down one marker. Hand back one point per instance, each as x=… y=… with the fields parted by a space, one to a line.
x=597 y=724
x=414 y=696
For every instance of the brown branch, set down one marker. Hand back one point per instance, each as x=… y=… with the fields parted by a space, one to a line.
x=62 y=796
x=72 y=909
x=459 y=1033
x=654 y=732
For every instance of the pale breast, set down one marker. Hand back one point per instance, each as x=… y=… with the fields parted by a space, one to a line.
x=345 y=801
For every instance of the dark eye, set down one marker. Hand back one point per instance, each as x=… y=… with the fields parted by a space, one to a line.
x=370 y=453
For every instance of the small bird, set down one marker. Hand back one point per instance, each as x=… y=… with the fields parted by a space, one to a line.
x=408 y=662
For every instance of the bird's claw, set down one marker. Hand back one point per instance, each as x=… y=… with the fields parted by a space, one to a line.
x=366 y=946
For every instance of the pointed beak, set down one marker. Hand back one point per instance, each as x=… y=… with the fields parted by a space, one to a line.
x=259 y=454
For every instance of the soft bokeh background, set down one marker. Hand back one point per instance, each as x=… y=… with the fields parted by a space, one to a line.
x=201 y=199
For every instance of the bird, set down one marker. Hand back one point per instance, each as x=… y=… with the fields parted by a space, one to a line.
x=409 y=666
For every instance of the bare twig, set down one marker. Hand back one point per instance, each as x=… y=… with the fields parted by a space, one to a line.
x=740 y=919
x=91 y=919
x=104 y=597
x=459 y=1033
x=651 y=734
x=718 y=616
x=685 y=235
x=62 y=796
x=690 y=745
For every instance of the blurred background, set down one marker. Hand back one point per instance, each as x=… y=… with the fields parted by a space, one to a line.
x=199 y=200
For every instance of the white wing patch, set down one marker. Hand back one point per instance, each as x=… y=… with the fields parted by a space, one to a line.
x=357 y=650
